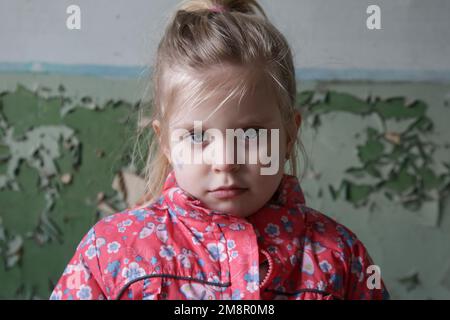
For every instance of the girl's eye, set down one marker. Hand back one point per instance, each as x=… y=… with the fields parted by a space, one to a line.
x=251 y=133
x=200 y=138
x=197 y=138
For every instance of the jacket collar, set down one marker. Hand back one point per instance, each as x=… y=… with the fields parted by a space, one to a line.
x=288 y=195
x=279 y=225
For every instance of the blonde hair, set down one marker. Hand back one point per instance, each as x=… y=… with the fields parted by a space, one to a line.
x=199 y=39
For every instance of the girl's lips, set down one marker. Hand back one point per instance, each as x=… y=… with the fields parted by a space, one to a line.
x=227 y=193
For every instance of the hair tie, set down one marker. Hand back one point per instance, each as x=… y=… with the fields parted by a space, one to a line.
x=217 y=8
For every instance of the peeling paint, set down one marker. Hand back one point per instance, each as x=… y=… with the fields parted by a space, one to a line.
x=64 y=164
x=400 y=162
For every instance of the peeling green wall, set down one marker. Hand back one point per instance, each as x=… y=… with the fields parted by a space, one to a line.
x=380 y=159
x=378 y=162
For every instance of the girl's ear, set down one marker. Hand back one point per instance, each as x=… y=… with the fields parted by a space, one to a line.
x=297 y=122
x=157 y=128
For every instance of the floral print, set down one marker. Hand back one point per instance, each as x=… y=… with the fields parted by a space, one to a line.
x=216 y=251
x=113 y=247
x=177 y=248
x=167 y=252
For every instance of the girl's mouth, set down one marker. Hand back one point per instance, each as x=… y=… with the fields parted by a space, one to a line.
x=227 y=193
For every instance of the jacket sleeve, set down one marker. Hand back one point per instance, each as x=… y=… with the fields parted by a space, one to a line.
x=364 y=280
x=81 y=279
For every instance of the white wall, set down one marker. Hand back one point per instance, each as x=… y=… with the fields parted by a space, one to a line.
x=328 y=34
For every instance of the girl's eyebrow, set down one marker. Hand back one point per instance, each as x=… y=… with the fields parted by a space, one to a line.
x=255 y=120
x=240 y=125
x=261 y=121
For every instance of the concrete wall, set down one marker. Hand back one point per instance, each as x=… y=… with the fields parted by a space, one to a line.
x=329 y=38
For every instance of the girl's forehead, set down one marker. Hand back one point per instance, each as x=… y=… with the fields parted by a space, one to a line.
x=250 y=109
x=223 y=93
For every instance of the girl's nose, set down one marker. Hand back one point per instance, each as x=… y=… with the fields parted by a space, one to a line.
x=225 y=161
x=225 y=167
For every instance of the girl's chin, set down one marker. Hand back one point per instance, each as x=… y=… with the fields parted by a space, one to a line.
x=230 y=208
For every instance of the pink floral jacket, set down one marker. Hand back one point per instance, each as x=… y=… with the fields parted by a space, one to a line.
x=177 y=248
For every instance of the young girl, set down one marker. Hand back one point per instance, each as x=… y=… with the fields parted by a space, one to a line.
x=221 y=229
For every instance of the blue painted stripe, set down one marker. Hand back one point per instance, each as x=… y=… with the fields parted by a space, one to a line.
x=75 y=69
x=301 y=73
x=374 y=75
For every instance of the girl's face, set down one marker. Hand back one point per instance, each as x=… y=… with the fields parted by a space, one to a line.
x=217 y=163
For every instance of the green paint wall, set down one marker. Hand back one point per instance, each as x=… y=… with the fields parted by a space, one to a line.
x=378 y=157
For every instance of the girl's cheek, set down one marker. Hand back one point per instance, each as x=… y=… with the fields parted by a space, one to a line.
x=252 y=150
x=270 y=152
x=177 y=162
x=180 y=156
x=209 y=154
x=185 y=154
